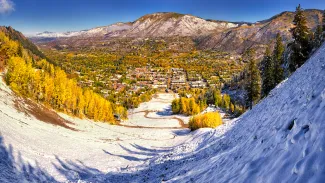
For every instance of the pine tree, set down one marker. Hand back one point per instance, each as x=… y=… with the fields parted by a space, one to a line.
x=323 y=22
x=318 y=38
x=301 y=47
x=267 y=72
x=252 y=80
x=278 y=60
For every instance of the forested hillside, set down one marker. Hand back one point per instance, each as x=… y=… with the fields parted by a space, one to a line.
x=44 y=83
x=25 y=42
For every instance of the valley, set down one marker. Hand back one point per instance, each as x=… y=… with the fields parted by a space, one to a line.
x=127 y=62
x=162 y=96
x=119 y=77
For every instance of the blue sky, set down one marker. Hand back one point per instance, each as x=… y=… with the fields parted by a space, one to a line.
x=31 y=16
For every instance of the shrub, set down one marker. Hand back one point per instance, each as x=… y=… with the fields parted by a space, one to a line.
x=175 y=106
x=207 y=120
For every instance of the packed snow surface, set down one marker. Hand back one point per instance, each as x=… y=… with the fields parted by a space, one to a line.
x=281 y=139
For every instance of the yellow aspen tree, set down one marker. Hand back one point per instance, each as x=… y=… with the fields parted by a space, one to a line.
x=48 y=89
x=80 y=103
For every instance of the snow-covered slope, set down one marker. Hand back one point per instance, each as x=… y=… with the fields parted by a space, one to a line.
x=152 y=25
x=34 y=151
x=171 y=24
x=281 y=139
x=97 y=31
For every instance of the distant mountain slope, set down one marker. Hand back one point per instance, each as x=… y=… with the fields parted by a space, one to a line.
x=258 y=34
x=152 y=25
x=205 y=34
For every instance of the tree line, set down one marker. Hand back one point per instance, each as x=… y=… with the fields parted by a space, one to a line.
x=192 y=102
x=259 y=80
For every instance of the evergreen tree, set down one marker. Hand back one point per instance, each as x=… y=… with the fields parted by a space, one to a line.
x=301 y=46
x=252 y=80
x=278 y=60
x=323 y=22
x=318 y=38
x=267 y=72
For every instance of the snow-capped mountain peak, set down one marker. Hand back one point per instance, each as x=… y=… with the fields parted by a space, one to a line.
x=152 y=25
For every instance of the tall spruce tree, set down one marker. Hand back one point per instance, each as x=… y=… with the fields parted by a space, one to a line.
x=253 y=80
x=301 y=46
x=267 y=72
x=278 y=60
x=323 y=21
x=318 y=38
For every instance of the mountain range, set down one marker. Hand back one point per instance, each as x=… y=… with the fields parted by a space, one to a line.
x=152 y=25
x=204 y=34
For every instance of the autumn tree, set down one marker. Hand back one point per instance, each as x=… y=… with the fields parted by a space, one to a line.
x=175 y=106
x=183 y=105
x=207 y=120
x=50 y=85
x=217 y=98
x=226 y=101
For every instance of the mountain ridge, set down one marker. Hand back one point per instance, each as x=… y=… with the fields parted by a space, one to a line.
x=164 y=16
x=205 y=34
x=159 y=17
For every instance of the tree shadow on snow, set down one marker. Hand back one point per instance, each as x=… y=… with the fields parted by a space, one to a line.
x=75 y=170
x=181 y=132
x=17 y=170
x=167 y=111
x=129 y=158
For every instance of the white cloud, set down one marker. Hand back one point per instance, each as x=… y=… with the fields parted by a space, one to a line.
x=6 y=6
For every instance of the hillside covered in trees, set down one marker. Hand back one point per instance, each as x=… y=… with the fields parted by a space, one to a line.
x=44 y=83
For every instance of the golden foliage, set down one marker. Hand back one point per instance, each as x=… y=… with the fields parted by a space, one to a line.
x=186 y=106
x=51 y=86
x=207 y=120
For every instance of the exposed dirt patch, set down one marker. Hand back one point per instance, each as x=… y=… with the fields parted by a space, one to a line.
x=111 y=140
x=180 y=121
x=148 y=127
x=146 y=112
x=155 y=96
x=41 y=113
